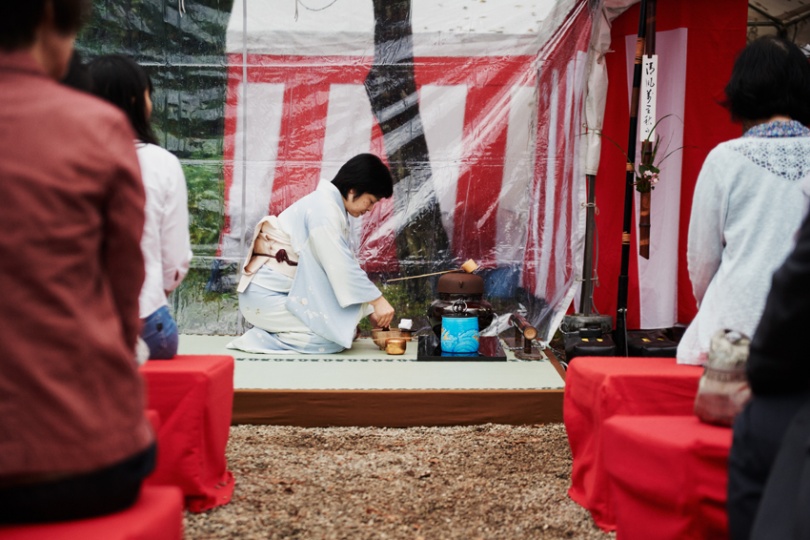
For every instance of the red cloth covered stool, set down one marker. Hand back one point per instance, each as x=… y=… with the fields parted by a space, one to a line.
x=156 y=515
x=668 y=477
x=193 y=396
x=154 y=419
x=597 y=388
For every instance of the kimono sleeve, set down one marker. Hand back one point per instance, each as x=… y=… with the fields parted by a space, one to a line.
x=330 y=291
x=706 y=225
x=328 y=242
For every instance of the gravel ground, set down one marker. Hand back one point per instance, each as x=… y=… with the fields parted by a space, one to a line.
x=469 y=482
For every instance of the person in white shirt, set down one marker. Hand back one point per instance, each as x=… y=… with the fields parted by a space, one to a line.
x=748 y=201
x=165 y=243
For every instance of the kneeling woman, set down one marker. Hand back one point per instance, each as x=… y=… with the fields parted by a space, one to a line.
x=301 y=287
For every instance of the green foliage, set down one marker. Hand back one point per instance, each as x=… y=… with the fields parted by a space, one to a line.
x=199 y=311
x=185 y=57
x=206 y=206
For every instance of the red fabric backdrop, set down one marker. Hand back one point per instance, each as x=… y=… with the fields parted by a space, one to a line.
x=716 y=33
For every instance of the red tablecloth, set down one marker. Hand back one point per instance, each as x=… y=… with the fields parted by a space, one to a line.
x=156 y=515
x=194 y=397
x=597 y=388
x=668 y=477
x=154 y=419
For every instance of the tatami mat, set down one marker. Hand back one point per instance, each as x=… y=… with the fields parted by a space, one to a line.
x=365 y=367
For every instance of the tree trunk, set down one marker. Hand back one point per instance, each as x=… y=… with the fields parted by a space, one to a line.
x=422 y=243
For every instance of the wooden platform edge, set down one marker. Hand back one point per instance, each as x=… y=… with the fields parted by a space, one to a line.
x=397 y=408
x=555 y=362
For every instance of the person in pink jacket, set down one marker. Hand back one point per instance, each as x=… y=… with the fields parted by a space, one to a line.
x=74 y=438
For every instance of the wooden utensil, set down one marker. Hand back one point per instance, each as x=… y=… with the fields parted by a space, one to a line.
x=469 y=267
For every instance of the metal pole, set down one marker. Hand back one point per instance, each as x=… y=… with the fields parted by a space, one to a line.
x=621 y=304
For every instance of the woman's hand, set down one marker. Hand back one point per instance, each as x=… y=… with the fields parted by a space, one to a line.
x=383 y=313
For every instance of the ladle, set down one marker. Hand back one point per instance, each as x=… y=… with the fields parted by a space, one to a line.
x=469 y=267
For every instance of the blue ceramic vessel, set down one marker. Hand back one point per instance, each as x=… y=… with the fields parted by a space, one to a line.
x=459 y=334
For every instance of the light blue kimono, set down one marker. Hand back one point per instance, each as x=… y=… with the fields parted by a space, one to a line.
x=317 y=311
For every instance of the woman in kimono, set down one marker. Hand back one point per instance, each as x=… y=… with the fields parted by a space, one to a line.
x=748 y=201
x=301 y=287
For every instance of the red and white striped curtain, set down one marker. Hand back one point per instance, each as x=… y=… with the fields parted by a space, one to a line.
x=499 y=90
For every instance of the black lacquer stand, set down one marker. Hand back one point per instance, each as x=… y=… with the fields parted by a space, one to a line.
x=489 y=350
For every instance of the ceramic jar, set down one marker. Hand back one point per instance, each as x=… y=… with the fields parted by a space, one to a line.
x=459 y=330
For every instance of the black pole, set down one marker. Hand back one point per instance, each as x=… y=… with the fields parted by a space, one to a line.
x=586 y=297
x=621 y=304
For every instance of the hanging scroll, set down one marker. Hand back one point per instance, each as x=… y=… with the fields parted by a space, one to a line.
x=649 y=93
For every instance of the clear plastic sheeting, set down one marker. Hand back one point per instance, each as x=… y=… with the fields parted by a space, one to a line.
x=476 y=106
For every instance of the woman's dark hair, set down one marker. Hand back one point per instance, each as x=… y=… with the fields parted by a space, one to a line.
x=19 y=19
x=78 y=76
x=771 y=76
x=121 y=81
x=364 y=173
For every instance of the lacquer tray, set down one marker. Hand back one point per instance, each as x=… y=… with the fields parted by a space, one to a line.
x=489 y=350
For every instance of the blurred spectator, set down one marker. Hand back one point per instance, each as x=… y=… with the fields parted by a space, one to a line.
x=74 y=440
x=778 y=371
x=779 y=374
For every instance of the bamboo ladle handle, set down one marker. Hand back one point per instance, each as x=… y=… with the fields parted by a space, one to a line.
x=469 y=267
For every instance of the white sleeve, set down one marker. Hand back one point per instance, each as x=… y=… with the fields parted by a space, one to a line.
x=330 y=247
x=174 y=236
x=706 y=239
